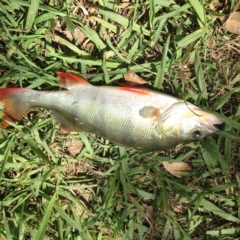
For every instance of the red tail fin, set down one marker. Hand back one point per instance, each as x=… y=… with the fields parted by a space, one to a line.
x=14 y=104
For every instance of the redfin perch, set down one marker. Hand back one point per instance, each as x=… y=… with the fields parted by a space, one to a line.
x=138 y=118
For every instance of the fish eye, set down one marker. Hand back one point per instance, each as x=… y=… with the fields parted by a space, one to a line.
x=196 y=134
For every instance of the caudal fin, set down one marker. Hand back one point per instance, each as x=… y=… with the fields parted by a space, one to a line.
x=13 y=104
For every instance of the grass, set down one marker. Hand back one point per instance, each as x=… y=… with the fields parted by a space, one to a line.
x=98 y=190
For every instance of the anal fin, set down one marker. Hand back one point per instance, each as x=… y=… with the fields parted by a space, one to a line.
x=67 y=123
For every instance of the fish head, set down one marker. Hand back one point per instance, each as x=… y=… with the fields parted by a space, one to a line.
x=185 y=122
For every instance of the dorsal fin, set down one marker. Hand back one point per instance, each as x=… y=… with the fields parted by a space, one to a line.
x=68 y=80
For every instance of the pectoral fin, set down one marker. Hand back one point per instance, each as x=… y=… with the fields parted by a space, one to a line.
x=154 y=114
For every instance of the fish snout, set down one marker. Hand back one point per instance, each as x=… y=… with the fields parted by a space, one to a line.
x=208 y=120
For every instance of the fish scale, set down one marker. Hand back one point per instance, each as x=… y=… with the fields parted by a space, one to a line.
x=138 y=118
x=109 y=116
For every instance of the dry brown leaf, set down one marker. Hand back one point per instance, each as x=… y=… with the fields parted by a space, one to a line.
x=85 y=196
x=177 y=168
x=83 y=40
x=148 y=210
x=74 y=146
x=132 y=77
x=79 y=35
x=215 y=6
x=233 y=23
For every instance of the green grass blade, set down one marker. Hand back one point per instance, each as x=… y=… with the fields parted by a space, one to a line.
x=44 y=17
x=21 y=222
x=41 y=7
x=151 y=13
x=200 y=79
x=124 y=21
x=6 y=226
x=70 y=46
x=222 y=187
x=223 y=232
x=223 y=99
x=8 y=145
x=106 y=24
x=44 y=223
x=114 y=49
x=35 y=147
x=160 y=76
x=32 y=12
x=216 y=210
x=94 y=37
x=9 y=17
x=198 y=7
x=192 y=37
x=105 y=70
x=175 y=13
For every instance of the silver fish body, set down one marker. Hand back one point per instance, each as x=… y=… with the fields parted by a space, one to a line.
x=138 y=118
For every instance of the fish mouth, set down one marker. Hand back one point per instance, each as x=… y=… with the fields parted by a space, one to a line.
x=217 y=127
x=209 y=120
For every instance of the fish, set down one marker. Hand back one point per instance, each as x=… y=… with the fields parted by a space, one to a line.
x=133 y=117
